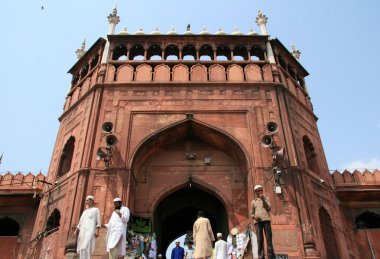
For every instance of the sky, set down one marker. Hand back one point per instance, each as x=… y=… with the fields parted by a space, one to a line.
x=338 y=41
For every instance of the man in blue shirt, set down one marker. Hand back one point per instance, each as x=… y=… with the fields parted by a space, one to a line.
x=177 y=252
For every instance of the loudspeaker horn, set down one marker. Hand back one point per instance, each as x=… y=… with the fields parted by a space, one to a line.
x=272 y=127
x=107 y=127
x=279 y=154
x=111 y=140
x=100 y=154
x=266 y=141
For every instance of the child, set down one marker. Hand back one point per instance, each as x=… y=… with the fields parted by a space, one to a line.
x=189 y=251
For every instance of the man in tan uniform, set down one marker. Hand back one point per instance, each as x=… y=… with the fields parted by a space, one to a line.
x=203 y=236
x=260 y=208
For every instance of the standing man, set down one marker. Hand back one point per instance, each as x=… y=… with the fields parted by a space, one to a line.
x=88 y=228
x=177 y=252
x=203 y=236
x=117 y=230
x=260 y=208
x=220 y=248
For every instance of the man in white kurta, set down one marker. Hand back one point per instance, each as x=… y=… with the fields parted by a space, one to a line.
x=117 y=230
x=220 y=248
x=88 y=228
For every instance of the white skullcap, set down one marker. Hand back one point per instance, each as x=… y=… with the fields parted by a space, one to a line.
x=90 y=197
x=257 y=187
x=177 y=241
x=234 y=231
x=116 y=199
x=219 y=235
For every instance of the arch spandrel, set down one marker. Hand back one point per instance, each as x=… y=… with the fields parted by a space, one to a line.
x=177 y=130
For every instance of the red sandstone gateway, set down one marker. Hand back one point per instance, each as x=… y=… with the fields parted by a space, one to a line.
x=177 y=123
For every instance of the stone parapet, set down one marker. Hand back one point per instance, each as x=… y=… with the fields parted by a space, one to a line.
x=21 y=183
x=356 y=177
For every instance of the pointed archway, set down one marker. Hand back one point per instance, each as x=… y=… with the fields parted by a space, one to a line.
x=189 y=153
x=176 y=214
x=328 y=234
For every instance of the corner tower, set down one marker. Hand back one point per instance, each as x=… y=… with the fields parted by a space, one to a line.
x=173 y=123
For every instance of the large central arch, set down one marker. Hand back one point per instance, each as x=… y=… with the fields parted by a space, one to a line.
x=162 y=172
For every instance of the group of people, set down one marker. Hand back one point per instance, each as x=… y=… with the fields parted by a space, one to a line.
x=203 y=234
x=220 y=251
x=90 y=224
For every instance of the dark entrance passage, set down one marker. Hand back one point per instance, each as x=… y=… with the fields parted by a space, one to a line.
x=176 y=214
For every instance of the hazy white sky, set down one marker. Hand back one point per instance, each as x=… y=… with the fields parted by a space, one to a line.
x=338 y=41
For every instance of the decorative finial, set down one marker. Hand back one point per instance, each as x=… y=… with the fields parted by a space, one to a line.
x=140 y=32
x=204 y=28
x=113 y=17
x=156 y=31
x=295 y=52
x=188 y=27
x=261 y=18
x=172 y=31
x=252 y=32
x=261 y=21
x=81 y=51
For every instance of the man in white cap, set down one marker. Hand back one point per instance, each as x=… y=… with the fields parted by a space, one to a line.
x=117 y=230
x=88 y=228
x=260 y=208
x=220 y=247
x=177 y=252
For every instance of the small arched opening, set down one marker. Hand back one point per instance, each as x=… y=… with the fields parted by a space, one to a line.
x=9 y=227
x=257 y=53
x=53 y=220
x=94 y=62
x=66 y=157
x=223 y=53
x=189 y=52
x=367 y=220
x=240 y=53
x=120 y=53
x=282 y=62
x=171 y=52
x=74 y=81
x=311 y=156
x=206 y=53
x=136 y=52
x=84 y=71
x=154 y=52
